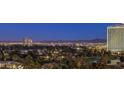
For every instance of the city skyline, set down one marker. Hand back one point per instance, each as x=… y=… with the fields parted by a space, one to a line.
x=53 y=31
x=62 y=46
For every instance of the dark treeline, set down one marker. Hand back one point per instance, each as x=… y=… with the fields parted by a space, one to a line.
x=58 y=57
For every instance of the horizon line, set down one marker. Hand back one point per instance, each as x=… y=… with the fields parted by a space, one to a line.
x=53 y=40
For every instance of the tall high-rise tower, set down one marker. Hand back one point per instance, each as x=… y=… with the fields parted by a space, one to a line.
x=115 y=38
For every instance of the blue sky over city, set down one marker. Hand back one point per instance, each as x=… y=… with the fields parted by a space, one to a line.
x=54 y=31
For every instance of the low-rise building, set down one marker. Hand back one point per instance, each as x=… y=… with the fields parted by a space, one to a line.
x=10 y=65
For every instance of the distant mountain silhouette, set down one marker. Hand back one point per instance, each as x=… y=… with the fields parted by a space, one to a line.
x=87 y=41
x=97 y=40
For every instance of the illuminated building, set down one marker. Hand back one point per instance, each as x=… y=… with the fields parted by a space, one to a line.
x=115 y=38
x=27 y=41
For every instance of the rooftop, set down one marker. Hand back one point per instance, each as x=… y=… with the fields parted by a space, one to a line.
x=117 y=26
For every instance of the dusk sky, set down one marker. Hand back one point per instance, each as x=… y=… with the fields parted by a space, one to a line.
x=53 y=31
